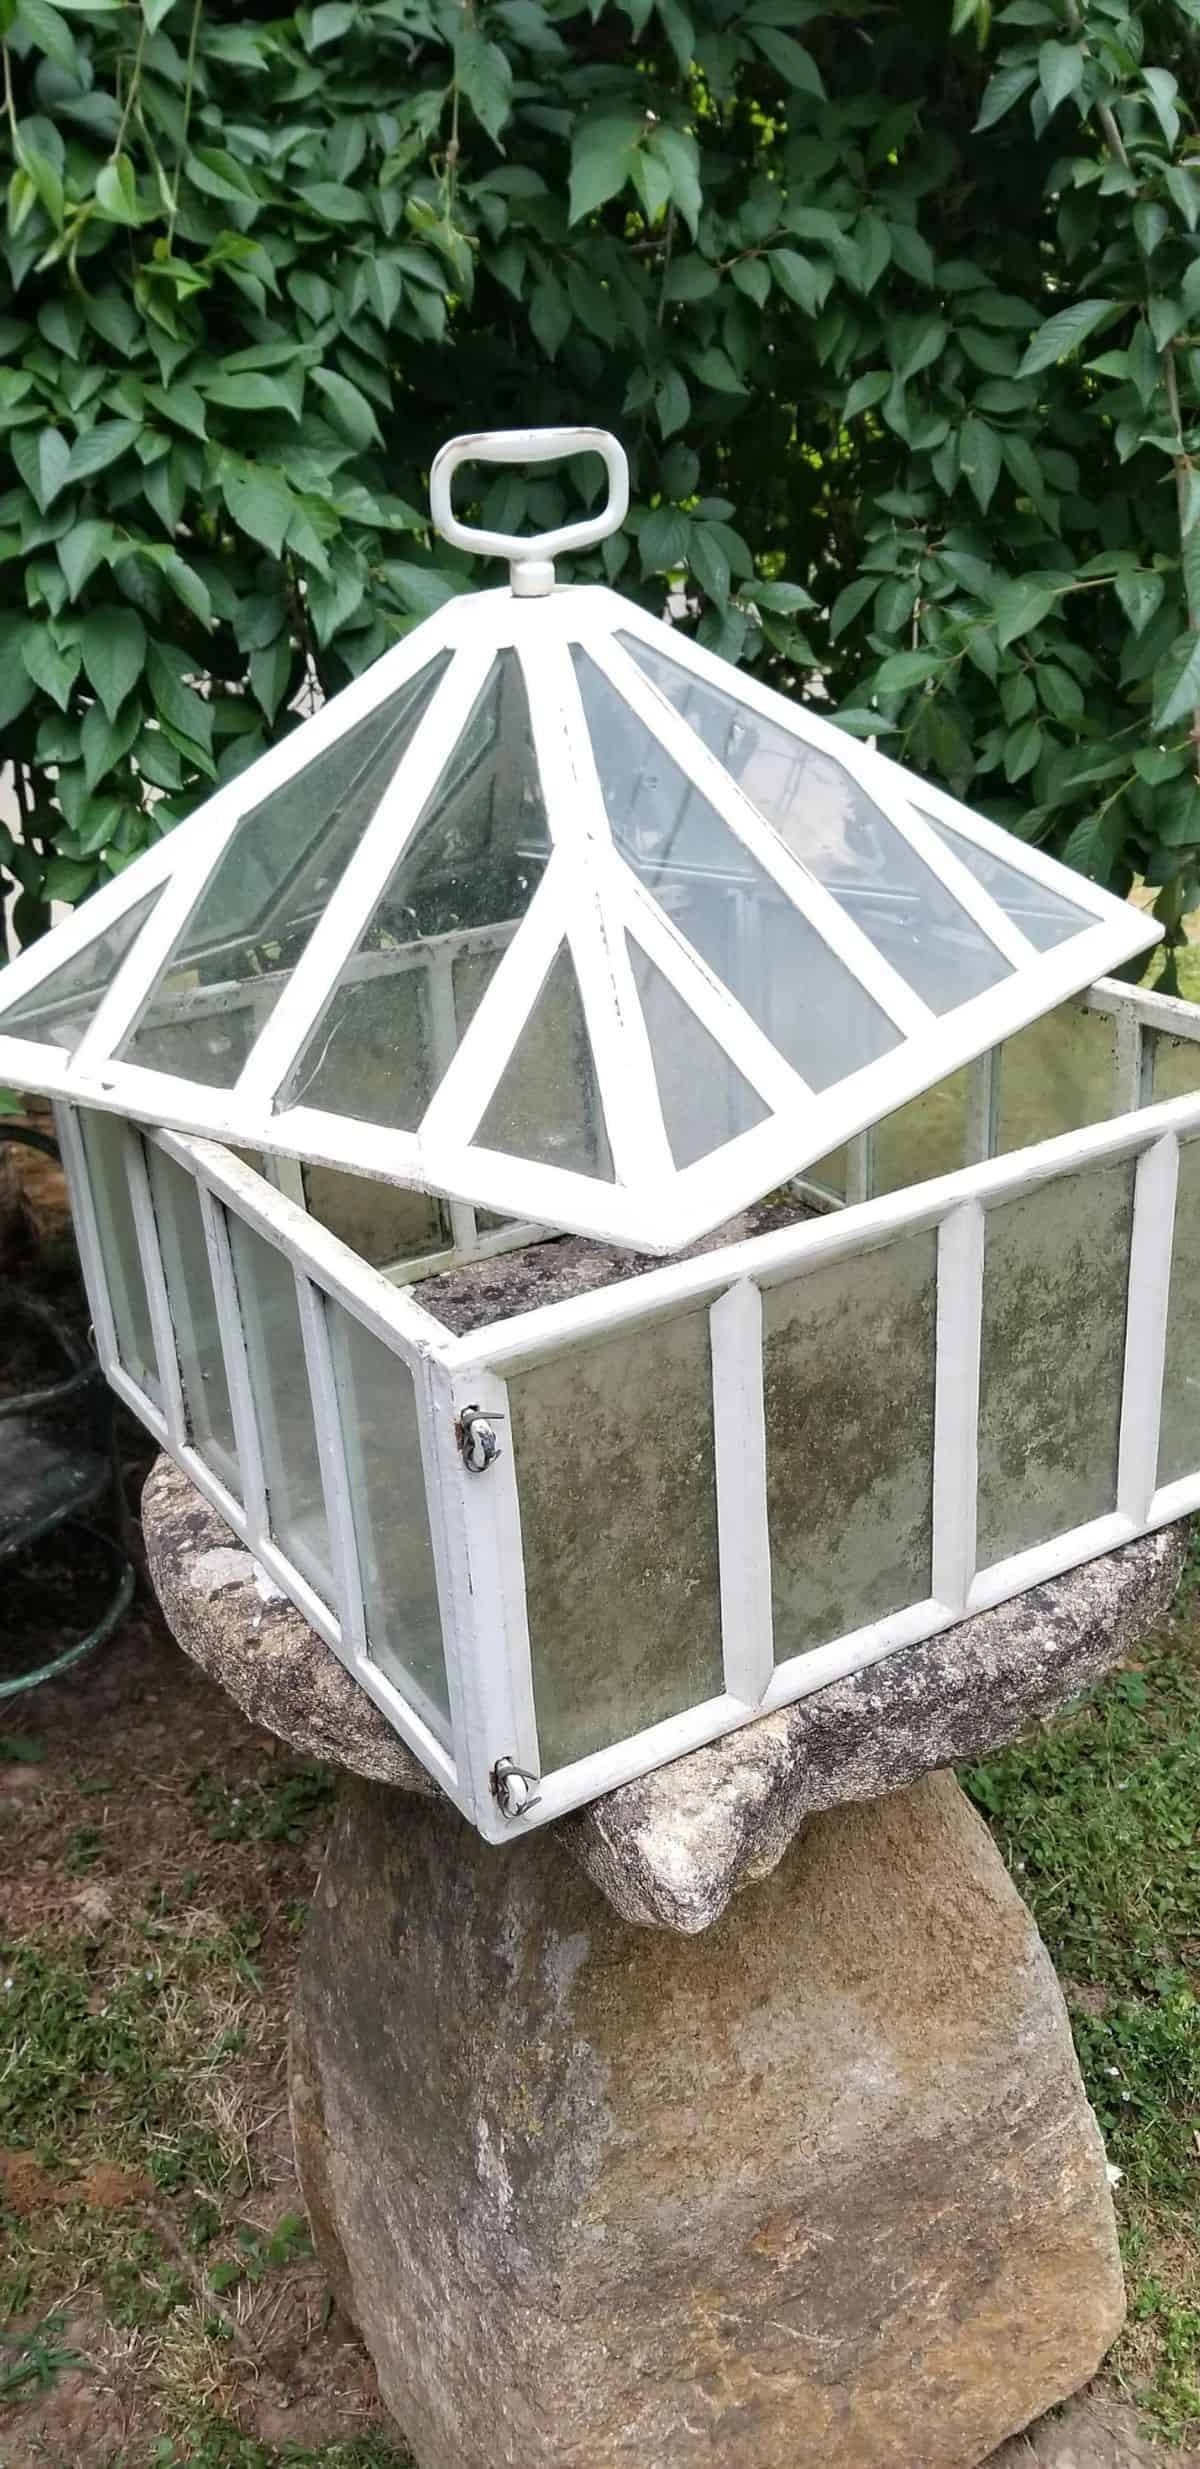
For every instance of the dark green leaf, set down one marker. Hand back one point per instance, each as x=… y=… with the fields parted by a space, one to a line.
x=43 y=459
x=1064 y=333
x=112 y=640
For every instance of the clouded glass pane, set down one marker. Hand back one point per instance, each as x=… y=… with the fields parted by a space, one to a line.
x=734 y=914
x=547 y=1103
x=705 y=1100
x=194 y=1316
x=828 y=821
x=391 y=1518
x=105 y=1141
x=1043 y=915
x=467 y=877
x=283 y=1405
x=59 y=1010
x=252 y=920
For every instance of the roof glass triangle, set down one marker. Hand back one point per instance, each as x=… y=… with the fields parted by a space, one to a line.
x=67 y=1001
x=546 y=1104
x=437 y=934
x=255 y=914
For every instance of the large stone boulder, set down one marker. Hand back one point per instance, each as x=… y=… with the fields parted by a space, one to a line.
x=815 y=2189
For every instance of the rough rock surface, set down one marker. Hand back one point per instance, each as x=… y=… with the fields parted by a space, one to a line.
x=669 y=1851
x=1096 y=2431
x=232 y=1619
x=816 y=2189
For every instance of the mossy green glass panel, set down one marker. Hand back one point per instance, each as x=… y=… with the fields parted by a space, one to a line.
x=391 y=1517
x=848 y=1372
x=831 y=1173
x=390 y=1029
x=731 y=910
x=1055 y=1273
x=546 y=1105
x=194 y=1316
x=613 y=1447
x=382 y=1222
x=1174 y=1066
x=826 y=818
x=1056 y=1076
x=283 y=1405
x=272 y=882
x=1044 y=916
x=105 y=1140
x=705 y=1099
x=1179 y=1428
x=924 y=1139
x=58 y=1011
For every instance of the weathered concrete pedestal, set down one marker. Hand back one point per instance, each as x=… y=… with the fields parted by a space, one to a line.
x=612 y=2163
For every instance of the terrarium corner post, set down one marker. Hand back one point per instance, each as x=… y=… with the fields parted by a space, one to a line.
x=613 y=2162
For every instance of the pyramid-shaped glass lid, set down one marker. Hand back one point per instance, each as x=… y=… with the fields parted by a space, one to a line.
x=554 y=912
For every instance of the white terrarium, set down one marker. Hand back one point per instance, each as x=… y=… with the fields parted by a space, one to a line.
x=550 y=945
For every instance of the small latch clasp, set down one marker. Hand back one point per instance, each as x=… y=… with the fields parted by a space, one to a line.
x=514 y=1787
x=478 y=1439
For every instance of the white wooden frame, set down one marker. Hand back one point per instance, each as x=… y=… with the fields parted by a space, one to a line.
x=475 y=1518
x=590 y=898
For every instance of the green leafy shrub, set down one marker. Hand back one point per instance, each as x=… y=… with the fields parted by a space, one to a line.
x=898 y=331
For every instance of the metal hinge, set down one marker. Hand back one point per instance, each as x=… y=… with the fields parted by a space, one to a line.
x=478 y=1439
x=514 y=1787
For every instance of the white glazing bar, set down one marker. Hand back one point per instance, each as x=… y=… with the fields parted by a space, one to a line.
x=744 y=1546
x=443 y=1040
x=499 y=1017
x=860 y=1168
x=960 y=1269
x=1130 y=1075
x=496 y=1675
x=833 y=923
x=237 y=1367
x=1170 y=1014
x=87 y=1235
x=1154 y=1200
x=1140 y=930
x=715 y=1007
x=162 y=1320
x=138 y=1403
x=355 y=897
x=335 y=1474
x=444 y=1474
x=617 y=1032
x=983 y=1106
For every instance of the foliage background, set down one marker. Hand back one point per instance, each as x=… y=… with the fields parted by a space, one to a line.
x=899 y=320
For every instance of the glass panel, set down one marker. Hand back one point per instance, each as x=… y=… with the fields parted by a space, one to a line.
x=1057 y=1076
x=546 y=1105
x=382 y=1222
x=194 y=1315
x=830 y=1173
x=104 y=1139
x=924 y=1139
x=252 y=920
x=283 y=1404
x=391 y=1517
x=620 y=1534
x=759 y=945
x=467 y=876
x=1054 y=1278
x=65 y=1004
x=1179 y=1429
x=848 y=1370
x=829 y=822
x=1174 y=1066
x=1045 y=916
x=705 y=1100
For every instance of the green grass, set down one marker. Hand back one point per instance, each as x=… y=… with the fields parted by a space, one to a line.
x=1097 y=1815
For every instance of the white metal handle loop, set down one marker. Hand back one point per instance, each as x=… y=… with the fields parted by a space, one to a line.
x=532 y=571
